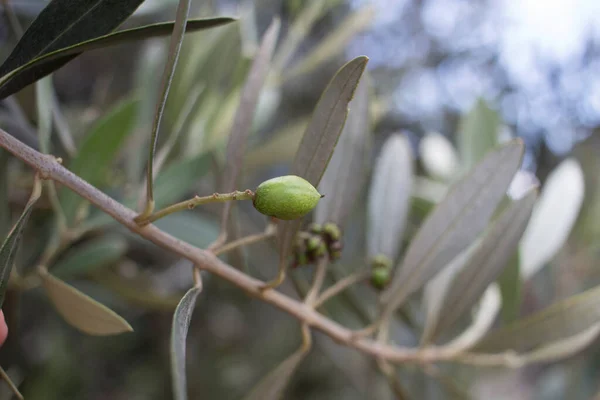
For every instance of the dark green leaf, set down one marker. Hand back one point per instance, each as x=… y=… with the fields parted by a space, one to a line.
x=47 y=63
x=242 y=124
x=91 y=255
x=8 y=251
x=81 y=311
x=455 y=223
x=64 y=23
x=346 y=173
x=179 y=331
x=561 y=320
x=511 y=289
x=321 y=136
x=487 y=262
x=99 y=149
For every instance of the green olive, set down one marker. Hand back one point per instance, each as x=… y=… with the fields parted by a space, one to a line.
x=286 y=197
x=380 y=277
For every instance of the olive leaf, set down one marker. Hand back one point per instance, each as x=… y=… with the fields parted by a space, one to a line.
x=4 y=205
x=560 y=202
x=90 y=256
x=477 y=133
x=564 y=319
x=8 y=251
x=389 y=197
x=176 y=179
x=81 y=311
x=455 y=222
x=47 y=63
x=438 y=157
x=272 y=386
x=321 y=136
x=179 y=330
x=242 y=124
x=98 y=150
x=510 y=285
x=485 y=265
x=4 y=376
x=62 y=23
x=347 y=170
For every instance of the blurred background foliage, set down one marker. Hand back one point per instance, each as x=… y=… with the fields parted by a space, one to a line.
x=451 y=78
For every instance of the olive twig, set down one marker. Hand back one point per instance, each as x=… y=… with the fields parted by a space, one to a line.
x=269 y=232
x=192 y=203
x=341 y=285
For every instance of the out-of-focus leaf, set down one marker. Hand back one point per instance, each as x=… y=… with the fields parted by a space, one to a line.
x=81 y=311
x=281 y=148
x=477 y=134
x=4 y=376
x=439 y=157
x=335 y=42
x=561 y=320
x=8 y=251
x=44 y=101
x=98 y=150
x=190 y=227
x=178 y=178
x=4 y=205
x=321 y=136
x=62 y=23
x=486 y=264
x=347 y=170
x=91 y=255
x=455 y=222
x=510 y=285
x=179 y=331
x=389 y=197
x=553 y=217
x=272 y=386
x=242 y=123
x=482 y=321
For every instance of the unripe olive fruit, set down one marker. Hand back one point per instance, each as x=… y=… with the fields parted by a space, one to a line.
x=286 y=197
x=380 y=277
x=381 y=261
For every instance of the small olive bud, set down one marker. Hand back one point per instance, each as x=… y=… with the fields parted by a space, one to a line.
x=380 y=277
x=286 y=197
x=332 y=232
x=381 y=261
x=316 y=247
x=315 y=228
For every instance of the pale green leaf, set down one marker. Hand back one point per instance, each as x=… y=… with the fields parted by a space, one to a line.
x=179 y=331
x=347 y=170
x=91 y=255
x=389 y=197
x=438 y=157
x=272 y=386
x=321 y=136
x=81 y=311
x=510 y=285
x=559 y=321
x=44 y=96
x=477 y=134
x=455 y=222
x=9 y=248
x=487 y=262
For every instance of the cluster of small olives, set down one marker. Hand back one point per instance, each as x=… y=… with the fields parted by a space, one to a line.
x=381 y=271
x=319 y=241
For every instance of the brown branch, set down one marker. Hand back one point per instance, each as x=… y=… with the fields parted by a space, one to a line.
x=48 y=168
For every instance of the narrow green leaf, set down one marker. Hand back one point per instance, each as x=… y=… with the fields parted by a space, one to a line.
x=272 y=386
x=4 y=205
x=99 y=149
x=553 y=217
x=280 y=148
x=510 y=285
x=8 y=251
x=389 y=197
x=335 y=42
x=93 y=254
x=347 y=171
x=486 y=264
x=477 y=134
x=561 y=320
x=4 y=376
x=242 y=124
x=179 y=331
x=81 y=311
x=455 y=222
x=321 y=136
x=179 y=177
x=44 y=98
x=63 y=23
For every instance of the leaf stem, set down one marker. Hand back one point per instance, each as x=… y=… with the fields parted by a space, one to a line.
x=247 y=240
x=318 y=281
x=192 y=203
x=340 y=286
x=177 y=36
